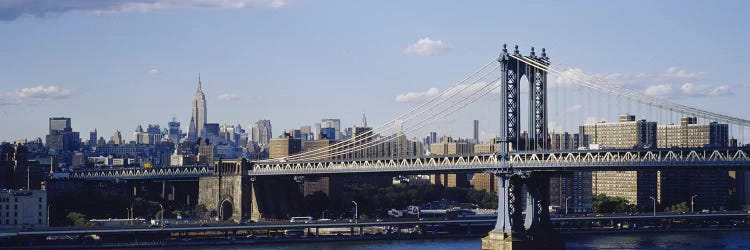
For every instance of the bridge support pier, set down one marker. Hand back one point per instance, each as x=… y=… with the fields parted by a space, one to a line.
x=515 y=231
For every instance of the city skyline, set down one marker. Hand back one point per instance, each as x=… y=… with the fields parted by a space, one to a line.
x=247 y=79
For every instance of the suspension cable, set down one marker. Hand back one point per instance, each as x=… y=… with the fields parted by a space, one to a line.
x=393 y=121
x=327 y=153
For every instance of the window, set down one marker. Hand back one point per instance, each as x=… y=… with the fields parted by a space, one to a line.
x=40 y=199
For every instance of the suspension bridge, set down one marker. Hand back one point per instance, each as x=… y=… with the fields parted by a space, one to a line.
x=525 y=152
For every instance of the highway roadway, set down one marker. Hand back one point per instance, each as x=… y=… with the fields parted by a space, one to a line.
x=361 y=223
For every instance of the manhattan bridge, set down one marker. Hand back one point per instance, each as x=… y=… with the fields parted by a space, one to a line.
x=523 y=162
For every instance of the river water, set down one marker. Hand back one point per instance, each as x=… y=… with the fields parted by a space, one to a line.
x=671 y=240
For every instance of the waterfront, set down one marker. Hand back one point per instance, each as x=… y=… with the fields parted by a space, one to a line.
x=670 y=240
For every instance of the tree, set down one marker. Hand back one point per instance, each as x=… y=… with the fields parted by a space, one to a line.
x=200 y=211
x=78 y=219
x=611 y=204
x=682 y=207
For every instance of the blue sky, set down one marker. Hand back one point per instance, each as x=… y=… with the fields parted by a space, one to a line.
x=117 y=64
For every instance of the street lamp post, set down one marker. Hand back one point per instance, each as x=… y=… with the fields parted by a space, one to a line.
x=48 y=206
x=356 y=216
x=652 y=198
x=161 y=221
x=566 y=204
x=692 y=202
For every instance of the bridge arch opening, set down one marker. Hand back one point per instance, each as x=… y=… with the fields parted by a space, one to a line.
x=226 y=210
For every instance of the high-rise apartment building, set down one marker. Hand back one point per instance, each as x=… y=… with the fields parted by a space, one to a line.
x=711 y=186
x=450 y=147
x=284 y=146
x=627 y=133
x=690 y=134
x=485 y=181
x=635 y=186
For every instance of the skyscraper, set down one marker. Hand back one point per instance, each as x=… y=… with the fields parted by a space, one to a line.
x=117 y=138
x=199 y=113
x=332 y=123
x=261 y=133
x=61 y=136
x=174 y=132
x=476 y=131
x=59 y=124
x=316 y=131
x=92 y=138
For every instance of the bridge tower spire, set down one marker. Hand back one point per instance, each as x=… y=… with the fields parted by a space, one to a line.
x=513 y=230
x=513 y=71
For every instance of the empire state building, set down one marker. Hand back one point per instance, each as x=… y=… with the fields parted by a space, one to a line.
x=199 y=114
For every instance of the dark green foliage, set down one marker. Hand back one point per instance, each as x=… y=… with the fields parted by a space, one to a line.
x=77 y=219
x=611 y=204
x=682 y=207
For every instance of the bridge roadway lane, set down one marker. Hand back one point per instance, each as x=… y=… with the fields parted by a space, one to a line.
x=335 y=224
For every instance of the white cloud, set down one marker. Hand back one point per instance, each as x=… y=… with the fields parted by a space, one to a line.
x=659 y=90
x=635 y=81
x=692 y=89
x=659 y=84
x=229 y=97
x=426 y=47
x=457 y=92
x=34 y=95
x=566 y=79
x=677 y=73
x=672 y=74
x=11 y=10
x=418 y=96
x=153 y=71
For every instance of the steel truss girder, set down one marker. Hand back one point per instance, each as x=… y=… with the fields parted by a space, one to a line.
x=599 y=160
